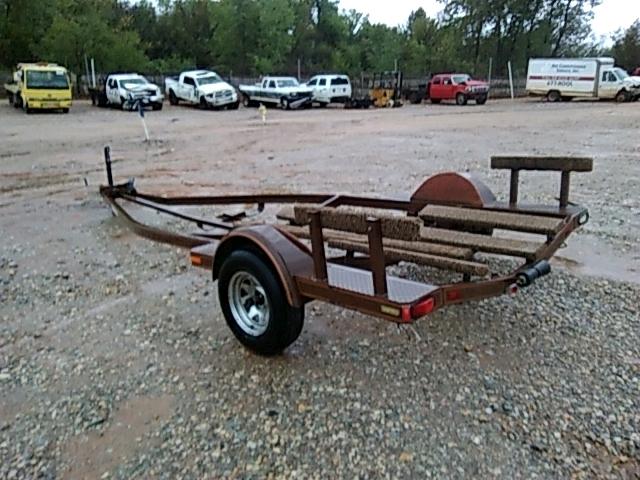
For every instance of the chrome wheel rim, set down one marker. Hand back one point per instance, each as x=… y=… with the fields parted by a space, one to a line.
x=249 y=303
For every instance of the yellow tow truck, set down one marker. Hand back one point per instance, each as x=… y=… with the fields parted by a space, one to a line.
x=40 y=86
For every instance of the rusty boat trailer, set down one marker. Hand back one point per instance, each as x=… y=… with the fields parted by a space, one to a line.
x=267 y=273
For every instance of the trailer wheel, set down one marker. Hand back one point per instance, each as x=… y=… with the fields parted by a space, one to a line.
x=254 y=304
x=622 y=96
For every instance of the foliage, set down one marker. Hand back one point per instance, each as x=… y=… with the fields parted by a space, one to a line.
x=252 y=37
x=626 y=47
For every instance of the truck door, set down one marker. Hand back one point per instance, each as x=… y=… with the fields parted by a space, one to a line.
x=313 y=85
x=435 y=89
x=609 y=85
x=447 y=88
x=113 y=95
x=189 y=90
x=323 y=90
x=271 y=92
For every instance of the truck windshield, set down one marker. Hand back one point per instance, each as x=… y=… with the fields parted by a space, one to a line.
x=287 y=82
x=134 y=81
x=620 y=73
x=209 y=79
x=460 y=78
x=45 y=79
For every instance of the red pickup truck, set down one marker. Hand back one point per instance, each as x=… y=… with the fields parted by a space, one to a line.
x=457 y=86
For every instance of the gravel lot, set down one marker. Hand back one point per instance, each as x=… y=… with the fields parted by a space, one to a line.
x=115 y=361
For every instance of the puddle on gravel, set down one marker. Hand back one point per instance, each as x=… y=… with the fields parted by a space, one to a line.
x=588 y=255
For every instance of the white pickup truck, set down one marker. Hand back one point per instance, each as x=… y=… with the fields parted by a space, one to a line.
x=201 y=87
x=330 y=89
x=283 y=91
x=127 y=90
x=566 y=78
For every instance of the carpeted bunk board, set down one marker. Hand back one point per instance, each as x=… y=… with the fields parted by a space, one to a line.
x=438 y=214
x=355 y=220
x=428 y=235
x=397 y=255
x=418 y=247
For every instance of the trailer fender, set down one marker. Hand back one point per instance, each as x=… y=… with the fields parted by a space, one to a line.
x=452 y=188
x=288 y=256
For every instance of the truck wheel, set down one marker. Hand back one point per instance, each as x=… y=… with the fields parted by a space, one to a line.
x=234 y=105
x=554 y=96
x=173 y=100
x=156 y=106
x=284 y=103
x=461 y=99
x=122 y=103
x=203 y=103
x=246 y=101
x=622 y=96
x=254 y=304
x=481 y=100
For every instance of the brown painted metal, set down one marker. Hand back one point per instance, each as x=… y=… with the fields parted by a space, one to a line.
x=376 y=254
x=528 y=162
x=451 y=188
x=317 y=246
x=356 y=282
x=565 y=182
x=513 y=187
x=289 y=257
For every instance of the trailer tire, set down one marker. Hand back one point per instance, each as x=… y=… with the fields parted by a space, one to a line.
x=173 y=100
x=622 y=96
x=554 y=96
x=274 y=324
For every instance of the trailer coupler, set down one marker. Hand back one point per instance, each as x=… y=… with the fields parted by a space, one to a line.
x=531 y=274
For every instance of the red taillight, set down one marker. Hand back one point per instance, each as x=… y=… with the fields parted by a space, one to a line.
x=424 y=307
x=512 y=289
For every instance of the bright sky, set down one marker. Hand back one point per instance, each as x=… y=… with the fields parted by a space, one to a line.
x=609 y=16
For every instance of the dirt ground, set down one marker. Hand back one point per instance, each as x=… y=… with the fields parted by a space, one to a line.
x=115 y=359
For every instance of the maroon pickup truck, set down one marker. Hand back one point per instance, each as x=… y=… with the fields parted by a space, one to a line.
x=459 y=87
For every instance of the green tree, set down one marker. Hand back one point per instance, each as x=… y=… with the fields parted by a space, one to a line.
x=626 y=47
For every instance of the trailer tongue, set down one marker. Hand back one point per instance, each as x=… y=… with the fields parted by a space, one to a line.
x=267 y=272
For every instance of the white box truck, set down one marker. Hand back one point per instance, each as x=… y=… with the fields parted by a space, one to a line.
x=567 y=78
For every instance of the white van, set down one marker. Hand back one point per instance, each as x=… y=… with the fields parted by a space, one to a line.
x=330 y=89
x=567 y=78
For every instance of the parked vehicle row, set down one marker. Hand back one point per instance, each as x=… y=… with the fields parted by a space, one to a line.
x=47 y=86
